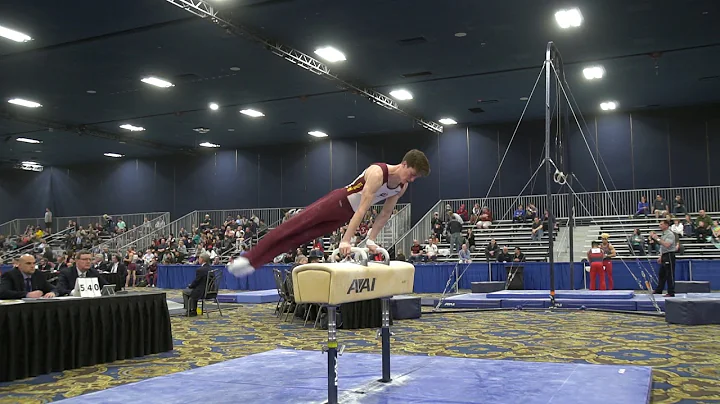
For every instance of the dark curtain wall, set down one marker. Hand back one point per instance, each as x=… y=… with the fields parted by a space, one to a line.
x=637 y=150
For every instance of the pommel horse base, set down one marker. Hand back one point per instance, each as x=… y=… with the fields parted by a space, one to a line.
x=332 y=284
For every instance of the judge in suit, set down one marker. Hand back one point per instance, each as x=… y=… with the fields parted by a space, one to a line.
x=68 y=276
x=24 y=281
x=196 y=290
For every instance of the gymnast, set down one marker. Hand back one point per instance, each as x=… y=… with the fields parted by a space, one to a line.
x=378 y=182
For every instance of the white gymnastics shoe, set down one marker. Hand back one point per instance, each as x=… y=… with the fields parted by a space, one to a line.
x=240 y=267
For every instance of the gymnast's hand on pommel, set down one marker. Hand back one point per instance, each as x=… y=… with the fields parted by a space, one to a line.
x=345 y=248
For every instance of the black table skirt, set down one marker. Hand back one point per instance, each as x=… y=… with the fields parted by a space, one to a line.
x=362 y=314
x=39 y=337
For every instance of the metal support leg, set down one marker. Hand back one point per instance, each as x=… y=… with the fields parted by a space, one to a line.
x=385 y=335
x=332 y=357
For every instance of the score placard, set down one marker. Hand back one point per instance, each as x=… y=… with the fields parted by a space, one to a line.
x=87 y=287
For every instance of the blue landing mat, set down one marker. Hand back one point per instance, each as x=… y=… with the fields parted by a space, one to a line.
x=563 y=294
x=639 y=302
x=287 y=376
x=256 y=296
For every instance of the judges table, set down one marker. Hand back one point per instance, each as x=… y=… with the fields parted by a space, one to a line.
x=432 y=277
x=39 y=337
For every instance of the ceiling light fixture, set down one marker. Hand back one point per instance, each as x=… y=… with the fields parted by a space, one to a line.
x=24 y=103
x=113 y=155
x=13 y=35
x=31 y=163
x=460 y=34
x=330 y=54
x=402 y=94
x=608 y=105
x=132 y=128
x=213 y=106
x=208 y=144
x=594 y=72
x=91 y=91
x=235 y=69
x=524 y=98
x=317 y=133
x=154 y=81
x=570 y=18
x=27 y=140
x=251 y=112
x=448 y=121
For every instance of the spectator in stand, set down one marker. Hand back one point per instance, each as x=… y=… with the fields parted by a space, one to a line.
x=436 y=224
x=519 y=256
x=519 y=215
x=715 y=236
x=206 y=223
x=462 y=211
x=48 y=221
x=464 y=255
x=475 y=213
x=121 y=226
x=431 y=250
x=643 y=208
x=679 y=205
x=505 y=255
x=652 y=246
x=536 y=230
x=688 y=227
x=485 y=218
x=152 y=273
x=702 y=232
x=677 y=228
x=492 y=250
x=400 y=256
x=470 y=239
x=703 y=217
x=637 y=242
x=660 y=207
x=531 y=212
x=455 y=227
x=416 y=252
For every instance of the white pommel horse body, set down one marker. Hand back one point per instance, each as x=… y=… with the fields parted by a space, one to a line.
x=332 y=284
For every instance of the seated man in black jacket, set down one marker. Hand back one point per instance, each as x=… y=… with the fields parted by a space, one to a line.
x=196 y=290
x=23 y=281
x=81 y=269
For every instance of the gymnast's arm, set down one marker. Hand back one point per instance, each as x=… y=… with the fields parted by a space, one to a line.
x=384 y=215
x=373 y=182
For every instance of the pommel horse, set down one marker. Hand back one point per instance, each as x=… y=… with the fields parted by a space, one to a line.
x=335 y=283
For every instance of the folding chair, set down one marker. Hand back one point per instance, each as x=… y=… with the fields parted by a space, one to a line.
x=282 y=301
x=212 y=287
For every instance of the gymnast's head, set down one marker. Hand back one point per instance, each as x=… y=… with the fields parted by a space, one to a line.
x=414 y=165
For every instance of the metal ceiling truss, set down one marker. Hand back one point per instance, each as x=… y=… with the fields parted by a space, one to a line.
x=88 y=131
x=225 y=20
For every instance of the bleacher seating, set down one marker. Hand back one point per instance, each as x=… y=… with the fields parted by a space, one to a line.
x=507 y=234
x=621 y=227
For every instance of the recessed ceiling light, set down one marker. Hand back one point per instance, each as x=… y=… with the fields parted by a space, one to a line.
x=235 y=69
x=460 y=34
x=27 y=140
x=24 y=103
x=251 y=112
x=330 y=54
x=132 y=128
x=113 y=155
x=569 y=18
x=13 y=35
x=317 y=133
x=38 y=151
x=402 y=94
x=448 y=121
x=593 y=72
x=121 y=142
x=351 y=116
x=524 y=98
x=214 y=106
x=91 y=91
x=231 y=130
x=31 y=163
x=154 y=81
x=201 y=129
x=208 y=144
x=608 y=105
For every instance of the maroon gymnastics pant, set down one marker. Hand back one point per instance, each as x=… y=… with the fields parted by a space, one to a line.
x=323 y=217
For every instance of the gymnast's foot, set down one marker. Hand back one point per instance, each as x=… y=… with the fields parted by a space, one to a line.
x=240 y=267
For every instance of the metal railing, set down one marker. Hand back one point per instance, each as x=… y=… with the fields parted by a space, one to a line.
x=148 y=227
x=187 y=222
x=595 y=204
x=18 y=226
x=267 y=215
x=396 y=226
x=421 y=231
x=29 y=248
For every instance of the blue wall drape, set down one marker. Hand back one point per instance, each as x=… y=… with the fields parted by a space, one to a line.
x=636 y=150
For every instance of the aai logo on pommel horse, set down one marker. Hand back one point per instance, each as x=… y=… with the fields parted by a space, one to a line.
x=362 y=284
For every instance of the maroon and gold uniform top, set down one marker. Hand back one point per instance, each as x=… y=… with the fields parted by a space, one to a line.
x=355 y=190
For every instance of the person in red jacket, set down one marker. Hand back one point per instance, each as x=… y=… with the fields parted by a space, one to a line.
x=595 y=257
x=610 y=253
